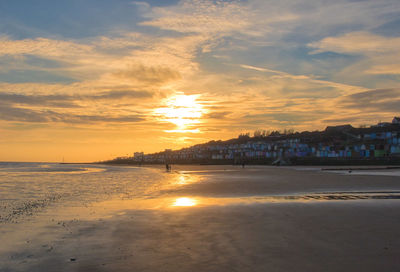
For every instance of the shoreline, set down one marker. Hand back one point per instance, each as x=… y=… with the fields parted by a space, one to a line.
x=329 y=168
x=311 y=161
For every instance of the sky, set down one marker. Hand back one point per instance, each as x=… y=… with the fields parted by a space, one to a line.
x=91 y=80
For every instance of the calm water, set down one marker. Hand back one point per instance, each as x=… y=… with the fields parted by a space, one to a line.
x=26 y=188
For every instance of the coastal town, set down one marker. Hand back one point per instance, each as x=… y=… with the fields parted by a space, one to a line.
x=336 y=144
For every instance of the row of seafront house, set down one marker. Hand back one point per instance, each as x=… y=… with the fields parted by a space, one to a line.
x=340 y=142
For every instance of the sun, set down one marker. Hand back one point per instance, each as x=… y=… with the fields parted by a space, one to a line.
x=182 y=110
x=184 y=202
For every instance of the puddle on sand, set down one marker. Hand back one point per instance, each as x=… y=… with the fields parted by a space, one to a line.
x=390 y=173
x=56 y=220
x=109 y=208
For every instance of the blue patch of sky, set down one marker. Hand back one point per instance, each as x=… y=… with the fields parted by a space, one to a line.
x=214 y=64
x=290 y=59
x=161 y=3
x=323 y=64
x=69 y=19
x=372 y=81
x=33 y=62
x=389 y=29
x=309 y=33
x=388 y=77
x=30 y=76
x=44 y=63
x=295 y=60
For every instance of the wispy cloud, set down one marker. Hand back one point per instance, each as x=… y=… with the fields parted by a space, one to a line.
x=41 y=47
x=201 y=16
x=379 y=101
x=13 y=113
x=64 y=100
x=151 y=75
x=357 y=43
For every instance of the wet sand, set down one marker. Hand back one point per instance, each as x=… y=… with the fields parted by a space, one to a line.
x=252 y=219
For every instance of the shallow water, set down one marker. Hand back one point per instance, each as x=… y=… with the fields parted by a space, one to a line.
x=391 y=173
x=26 y=188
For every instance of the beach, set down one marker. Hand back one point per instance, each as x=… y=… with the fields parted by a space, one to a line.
x=199 y=218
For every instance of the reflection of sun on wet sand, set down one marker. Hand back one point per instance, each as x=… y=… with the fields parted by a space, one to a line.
x=254 y=219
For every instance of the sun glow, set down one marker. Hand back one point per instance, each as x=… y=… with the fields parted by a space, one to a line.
x=182 y=110
x=184 y=202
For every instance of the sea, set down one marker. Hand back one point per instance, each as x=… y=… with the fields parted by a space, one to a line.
x=28 y=188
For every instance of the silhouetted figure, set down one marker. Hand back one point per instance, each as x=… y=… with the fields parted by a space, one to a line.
x=242 y=164
x=167 y=167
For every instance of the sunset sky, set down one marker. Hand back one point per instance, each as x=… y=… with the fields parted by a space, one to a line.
x=89 y=80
